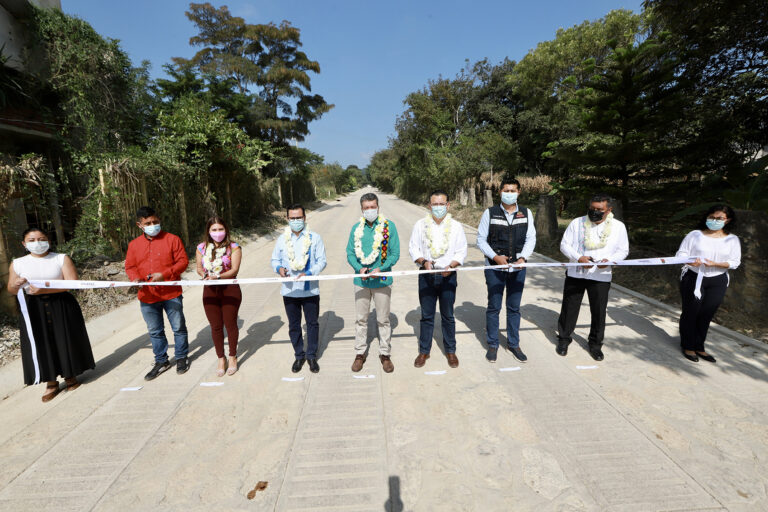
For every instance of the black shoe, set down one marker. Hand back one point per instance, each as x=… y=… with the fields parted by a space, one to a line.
x=157 y=370
x=182 y=365
x=518 y=354
x=690 y=357
x=596 y=353
x=297 y=364
x=313 y=366
x=490 y=355
x=562 y=348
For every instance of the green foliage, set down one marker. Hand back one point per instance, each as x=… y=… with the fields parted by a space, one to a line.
x=265 y=57
x=667 y=105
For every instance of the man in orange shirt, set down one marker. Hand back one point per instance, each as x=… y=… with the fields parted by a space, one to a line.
x=159 y=256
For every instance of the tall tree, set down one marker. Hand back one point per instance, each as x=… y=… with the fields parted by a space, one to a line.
x=631 y=127
x=264 y=60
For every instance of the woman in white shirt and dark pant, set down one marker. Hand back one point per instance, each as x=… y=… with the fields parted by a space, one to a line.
x=703 y=282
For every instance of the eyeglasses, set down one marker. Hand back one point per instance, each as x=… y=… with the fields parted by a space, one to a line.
x=717 y=218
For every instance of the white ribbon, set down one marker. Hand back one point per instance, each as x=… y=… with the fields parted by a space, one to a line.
x=699 y=280
x=30 y=334
x=76 y=284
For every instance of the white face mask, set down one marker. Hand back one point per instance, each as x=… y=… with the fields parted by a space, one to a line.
x=371 y=214
x=39 y=247
x=152 y=230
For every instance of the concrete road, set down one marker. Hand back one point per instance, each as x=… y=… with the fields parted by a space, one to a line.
x=643 y=430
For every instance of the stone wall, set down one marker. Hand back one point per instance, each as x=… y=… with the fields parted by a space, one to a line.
x=747 y=296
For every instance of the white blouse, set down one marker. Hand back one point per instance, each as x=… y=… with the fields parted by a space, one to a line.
x=48 y=267
x=698 y=245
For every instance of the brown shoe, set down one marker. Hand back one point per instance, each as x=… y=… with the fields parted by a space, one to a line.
x=72 y=384
x=386 y=363
x=420 y=360
x=52 y=390
x=453 y=361
x=357 y=365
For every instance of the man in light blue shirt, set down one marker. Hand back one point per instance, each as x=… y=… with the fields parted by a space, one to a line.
x=506 y=236
x=300 y=252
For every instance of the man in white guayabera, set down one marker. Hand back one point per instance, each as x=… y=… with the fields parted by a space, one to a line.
x=596 y=237
x=437 y=242
x=373 y=247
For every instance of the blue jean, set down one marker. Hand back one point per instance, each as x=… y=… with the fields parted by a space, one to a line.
x=434 y=288
x=497 y=281
x=311 y=307
x=153 y=316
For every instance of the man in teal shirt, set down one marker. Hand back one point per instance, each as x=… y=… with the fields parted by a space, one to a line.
x=373 y=247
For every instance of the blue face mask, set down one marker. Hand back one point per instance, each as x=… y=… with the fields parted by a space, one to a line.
x=296 y=225
x=439 y=211
x=152 y=230
x=715 y=224
x=509 y=197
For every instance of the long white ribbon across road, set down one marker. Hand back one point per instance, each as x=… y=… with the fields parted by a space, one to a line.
x=77 y=284
x=80 y=284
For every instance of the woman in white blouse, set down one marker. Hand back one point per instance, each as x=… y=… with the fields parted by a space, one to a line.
x=55 y=342
x=703 y=282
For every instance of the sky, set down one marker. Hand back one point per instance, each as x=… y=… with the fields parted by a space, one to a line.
x=371 y=54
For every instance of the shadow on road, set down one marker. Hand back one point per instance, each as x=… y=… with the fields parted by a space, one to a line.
x=108 y=363
x=394 y=503
x=651 y=343
x=258 y=335
x=331 y=324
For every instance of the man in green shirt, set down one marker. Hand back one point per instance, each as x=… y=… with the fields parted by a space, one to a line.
x=373 y=247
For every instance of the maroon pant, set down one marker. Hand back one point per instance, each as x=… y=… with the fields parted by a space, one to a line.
x=221 y=304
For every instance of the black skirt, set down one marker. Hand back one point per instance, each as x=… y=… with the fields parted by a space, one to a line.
x=61 y=341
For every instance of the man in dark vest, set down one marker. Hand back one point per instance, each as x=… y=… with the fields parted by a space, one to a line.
x=507 y=236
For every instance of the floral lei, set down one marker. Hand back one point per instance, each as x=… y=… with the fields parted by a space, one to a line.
x=301 y=263
x=212 y=262
x=589 y=243
x=380 y=241
x=438 y=250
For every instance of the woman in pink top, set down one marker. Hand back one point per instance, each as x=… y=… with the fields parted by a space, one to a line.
x=219 y=258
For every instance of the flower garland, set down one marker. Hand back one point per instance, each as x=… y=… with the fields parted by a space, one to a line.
x=591 y=244
x=438 y=250
x=213 y=262
x=301 y=263
x=380 y=241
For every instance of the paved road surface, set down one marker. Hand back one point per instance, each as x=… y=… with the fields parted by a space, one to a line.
x=644 y=430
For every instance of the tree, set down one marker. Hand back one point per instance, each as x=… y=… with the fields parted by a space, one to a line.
x=264 y=56
x=631 y=128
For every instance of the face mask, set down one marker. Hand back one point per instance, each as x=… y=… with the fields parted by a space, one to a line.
x=439 y=211
x=218 y=236
x=595 y=215
x=713 y=224
x=371 y=214
x=296 y=225
x=40 y=247
x=509 y=197
x=152 y=230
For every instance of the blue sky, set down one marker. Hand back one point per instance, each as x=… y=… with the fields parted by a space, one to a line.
x=371 y=54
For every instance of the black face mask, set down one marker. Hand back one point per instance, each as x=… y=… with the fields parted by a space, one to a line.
x=595 y=215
